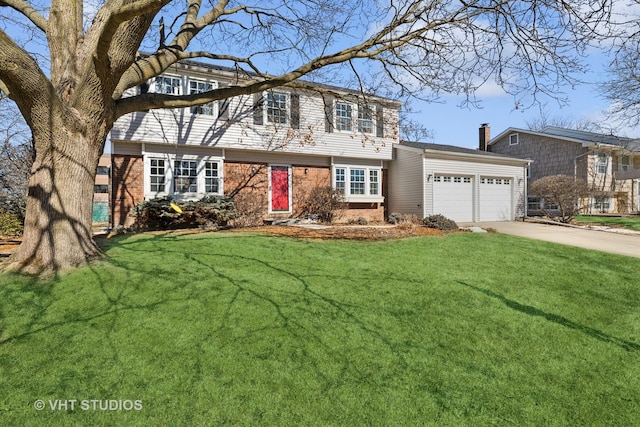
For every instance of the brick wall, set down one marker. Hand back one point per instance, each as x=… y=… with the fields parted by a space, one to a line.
x=127 y=174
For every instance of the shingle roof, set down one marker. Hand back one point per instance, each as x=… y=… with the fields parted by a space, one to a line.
x=452 y=149
x=586 y=136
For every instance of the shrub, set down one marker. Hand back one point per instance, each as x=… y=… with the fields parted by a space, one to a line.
x=440 y=222
x=563 y=193
x=323 y=203
x=358 y=221
x=251 y=207
x=208 y=212
x=395 y=218
x=10 y=224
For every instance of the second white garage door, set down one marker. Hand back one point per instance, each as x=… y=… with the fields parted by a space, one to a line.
x=495 y=199
x=453 y=197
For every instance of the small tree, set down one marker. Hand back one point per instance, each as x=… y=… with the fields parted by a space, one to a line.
x=563 y=192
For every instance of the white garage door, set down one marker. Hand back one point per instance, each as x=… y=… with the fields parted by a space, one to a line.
x=496 y=199
x=453 y=197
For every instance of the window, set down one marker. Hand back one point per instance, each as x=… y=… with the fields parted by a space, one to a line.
x=437 y=178
x=200 y=87
x=601 y=204
x=100 y=188
x=602 y=162
x=365 y=119
x=514 y=139
x=625 y=163
x=374 y=188
x=447 y=179
x=211 y=177
x=168 y=85
x=343 y=116
x=467 y=180
x=157 y=175
x=277 y=108
x=357 y=181
x=340 y=179
x=533 y=203
x=102 y=170
x=457 y=179
x=185 y=176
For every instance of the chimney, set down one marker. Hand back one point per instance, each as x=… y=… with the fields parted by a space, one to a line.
x=484 y=135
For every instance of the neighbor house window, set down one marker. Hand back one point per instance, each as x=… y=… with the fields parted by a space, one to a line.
x=157 y=176
x=601 y=204
x=200 y=87
x=185 y=176
x=357 y=181
x=514 y=139
x=344 y=118
x=211 y=177
x=365 y=119
x=102 y=170
x=625 y=163
x=168 y=85
x=602 y=162
x=277 y=108
x=100 y=188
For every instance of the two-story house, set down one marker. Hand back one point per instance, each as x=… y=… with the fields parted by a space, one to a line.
x=267 y=150
x=610 y=165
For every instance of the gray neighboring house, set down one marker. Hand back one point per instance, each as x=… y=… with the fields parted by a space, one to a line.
x=462 y=184
x=610 y=165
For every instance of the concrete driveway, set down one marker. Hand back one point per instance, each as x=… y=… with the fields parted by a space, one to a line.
x=607 y=241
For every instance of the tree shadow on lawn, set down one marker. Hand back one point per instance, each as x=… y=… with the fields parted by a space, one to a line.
x=563 y=321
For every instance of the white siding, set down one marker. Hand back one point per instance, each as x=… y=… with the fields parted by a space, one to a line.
x=406 y=182
x=179 y=126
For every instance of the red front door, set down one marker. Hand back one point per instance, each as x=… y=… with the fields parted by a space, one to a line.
x=279 y=188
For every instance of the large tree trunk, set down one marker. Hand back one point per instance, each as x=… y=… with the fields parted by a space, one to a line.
x=57 y=231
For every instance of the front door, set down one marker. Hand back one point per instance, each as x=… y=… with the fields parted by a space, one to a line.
x=280 y=191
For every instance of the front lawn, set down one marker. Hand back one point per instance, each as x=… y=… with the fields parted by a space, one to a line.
x=632 y=223
x=244 y=329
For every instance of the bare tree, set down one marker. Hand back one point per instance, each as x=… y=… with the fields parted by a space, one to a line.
x=567 y=122
x=561 y=195
x=71 y=92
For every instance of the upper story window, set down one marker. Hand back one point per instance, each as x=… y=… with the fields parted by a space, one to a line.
x=602 y=162
x=168 y=85
x=365 y=119
x=200 y=87
x=344 y=118
x=514 y=139
x=277 y=112
x=624 y=163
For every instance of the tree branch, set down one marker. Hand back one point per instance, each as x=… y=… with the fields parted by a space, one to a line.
x=28 y=11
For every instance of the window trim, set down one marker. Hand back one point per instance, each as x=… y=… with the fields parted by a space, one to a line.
x=600 y=163
x=169 y=176
x=287 y=112
x=213 y=106
x=356 y=120
x=367 y=197
x=169 y=76
x=517 y=139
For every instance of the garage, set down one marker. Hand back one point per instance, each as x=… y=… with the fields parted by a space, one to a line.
x=453 y=197
x=495 y=199
x=463 y=184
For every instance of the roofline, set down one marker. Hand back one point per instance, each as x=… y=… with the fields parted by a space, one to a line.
x=467 y=156
x=582 y=142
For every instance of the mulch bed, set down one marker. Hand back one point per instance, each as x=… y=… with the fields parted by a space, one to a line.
x=10 y=244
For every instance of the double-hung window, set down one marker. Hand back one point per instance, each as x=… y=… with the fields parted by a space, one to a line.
x=277 y=112
x=185 y=176
x=168 y=85
x=344 y=118
x=211 y=177
x=365 y=119
x=195 y=87
x=357 y=181
x=157 y=176
x=602 y=162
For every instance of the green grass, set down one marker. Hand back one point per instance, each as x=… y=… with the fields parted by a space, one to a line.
x=238 y=329
x=632 y=223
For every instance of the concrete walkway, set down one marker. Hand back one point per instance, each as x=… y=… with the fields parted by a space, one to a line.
x=600 y=240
